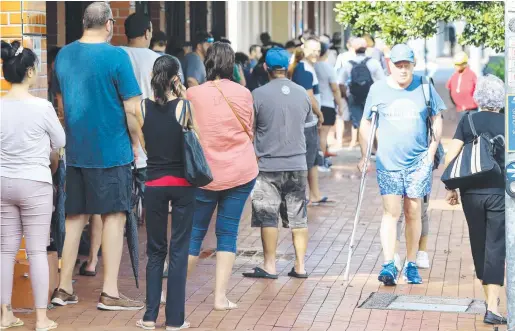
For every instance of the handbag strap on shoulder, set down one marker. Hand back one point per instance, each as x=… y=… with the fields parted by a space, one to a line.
x=472 y=126
x=234 y=111
x=185 y=114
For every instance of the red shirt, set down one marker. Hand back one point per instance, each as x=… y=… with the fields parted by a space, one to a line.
x=167 y=181
x=462 y=86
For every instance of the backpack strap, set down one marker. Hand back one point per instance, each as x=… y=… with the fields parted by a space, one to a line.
x=366 y=60
x=353 y=63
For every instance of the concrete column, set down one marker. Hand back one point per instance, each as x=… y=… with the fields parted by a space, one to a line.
x=233 y=21
x=162 y=15
x=475 y=60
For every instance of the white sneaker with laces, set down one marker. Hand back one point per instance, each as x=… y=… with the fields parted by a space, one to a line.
x=398 y=262
x=423 y=260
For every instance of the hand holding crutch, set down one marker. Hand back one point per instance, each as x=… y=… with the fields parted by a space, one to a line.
x=363 y=169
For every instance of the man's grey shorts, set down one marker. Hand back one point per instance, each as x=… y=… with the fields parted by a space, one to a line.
x=280 y=194
x=313 y=157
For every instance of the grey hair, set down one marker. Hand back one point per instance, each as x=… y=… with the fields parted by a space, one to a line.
x=96 y=15
x=489 y=93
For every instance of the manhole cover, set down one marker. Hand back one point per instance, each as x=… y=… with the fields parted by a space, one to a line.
x=389 y=301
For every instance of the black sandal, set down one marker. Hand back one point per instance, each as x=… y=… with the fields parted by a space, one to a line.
x=259 y=273
x=84 y=272
x=294 y=274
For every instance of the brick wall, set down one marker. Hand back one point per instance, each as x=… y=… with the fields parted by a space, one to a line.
x=21 y=20
x=121 y=9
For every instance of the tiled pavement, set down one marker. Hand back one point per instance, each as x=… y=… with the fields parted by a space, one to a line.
x=324 y=301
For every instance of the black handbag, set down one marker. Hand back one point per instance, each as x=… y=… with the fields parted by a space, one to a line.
x=196 y=169
x=440 y=153
x=476 y=162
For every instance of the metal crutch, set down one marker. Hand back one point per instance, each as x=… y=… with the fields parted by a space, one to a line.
x=371 y=137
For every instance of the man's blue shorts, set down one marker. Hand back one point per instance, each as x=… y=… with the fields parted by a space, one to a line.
x=413 y=182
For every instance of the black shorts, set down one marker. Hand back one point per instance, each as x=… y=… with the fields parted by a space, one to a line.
x=98 y=191
x=329 y=116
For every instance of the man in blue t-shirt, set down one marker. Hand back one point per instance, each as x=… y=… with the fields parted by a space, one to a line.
x=405 y=154
x=101 y=99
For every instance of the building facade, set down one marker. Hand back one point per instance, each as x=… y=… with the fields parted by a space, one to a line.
x=44 y=25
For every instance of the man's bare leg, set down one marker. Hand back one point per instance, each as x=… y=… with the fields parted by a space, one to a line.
x=112 y=248
x=300 y=243
x=391 y=214
x=354 y=139
x=314 y=190
x=74 y=227
x=269 y=236
x=412 y=210
x=324 y=132
x=95 y=234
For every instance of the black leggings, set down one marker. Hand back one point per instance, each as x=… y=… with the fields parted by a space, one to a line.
x=156 y=203
x=485 y=217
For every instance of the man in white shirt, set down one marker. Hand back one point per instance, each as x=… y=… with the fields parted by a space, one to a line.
x=355 y=79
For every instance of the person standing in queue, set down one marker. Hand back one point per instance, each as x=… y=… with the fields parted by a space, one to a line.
x=102 y=115
x=225 y=117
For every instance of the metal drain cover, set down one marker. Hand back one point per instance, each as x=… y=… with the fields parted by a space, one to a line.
x=389 y=301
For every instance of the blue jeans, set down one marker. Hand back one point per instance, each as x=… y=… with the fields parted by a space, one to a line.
x=230 y=207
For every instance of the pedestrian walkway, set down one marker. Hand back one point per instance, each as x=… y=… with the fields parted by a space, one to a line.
x=324 y=301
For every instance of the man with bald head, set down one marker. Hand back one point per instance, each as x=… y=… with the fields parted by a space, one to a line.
x=101 y=99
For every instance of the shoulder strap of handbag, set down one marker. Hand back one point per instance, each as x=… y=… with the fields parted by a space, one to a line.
x=426 y=91
x=234 y=112
x=142 y=107
x=183 y=121
x=472 y=126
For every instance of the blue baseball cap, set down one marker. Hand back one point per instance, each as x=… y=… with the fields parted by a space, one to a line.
x=277 y=59
x=402 y=52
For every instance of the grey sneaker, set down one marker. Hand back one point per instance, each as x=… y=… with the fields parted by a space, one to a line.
x=62 y=298
x=107 y=302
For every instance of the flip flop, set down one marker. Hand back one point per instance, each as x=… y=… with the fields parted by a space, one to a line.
x=321 y=201
x=259 y=273
x=230 y=306
x=294 y=274
x=186 y=325
x=18 y=322
x=50 y=327
x=140 y=324
x=84 y=272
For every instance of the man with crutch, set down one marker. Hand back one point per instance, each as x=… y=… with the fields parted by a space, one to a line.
x=405 y=154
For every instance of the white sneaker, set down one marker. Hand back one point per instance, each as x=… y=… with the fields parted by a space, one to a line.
x=324 y=169
x=423 y=260
x=398 y=262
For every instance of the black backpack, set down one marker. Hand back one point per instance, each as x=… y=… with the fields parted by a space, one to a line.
x=360 y=80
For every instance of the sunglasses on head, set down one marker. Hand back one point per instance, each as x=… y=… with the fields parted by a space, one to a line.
x=210 y=40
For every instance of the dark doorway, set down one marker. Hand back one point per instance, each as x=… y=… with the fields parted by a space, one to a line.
x=74 y=13
x=218 y=19
x=175 y=21
x=198 y=17
x=142 y=7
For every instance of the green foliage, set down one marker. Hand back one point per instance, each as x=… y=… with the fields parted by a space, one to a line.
x=399 y=21
x=496 y=67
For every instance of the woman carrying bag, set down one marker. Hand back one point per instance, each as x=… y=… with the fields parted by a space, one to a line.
x=176 y=166
x=475 y=165
x=224 y=112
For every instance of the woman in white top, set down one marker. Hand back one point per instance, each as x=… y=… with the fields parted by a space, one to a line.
x=30 y=130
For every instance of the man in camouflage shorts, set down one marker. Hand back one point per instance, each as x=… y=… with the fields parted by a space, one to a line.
x=282 y=108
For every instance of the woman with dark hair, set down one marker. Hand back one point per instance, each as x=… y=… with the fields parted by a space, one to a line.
x=30 y=136
x=163 y=131
x=225 y=115
x=483 y=201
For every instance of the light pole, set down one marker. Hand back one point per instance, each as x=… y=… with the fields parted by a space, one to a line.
x=510 y=158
